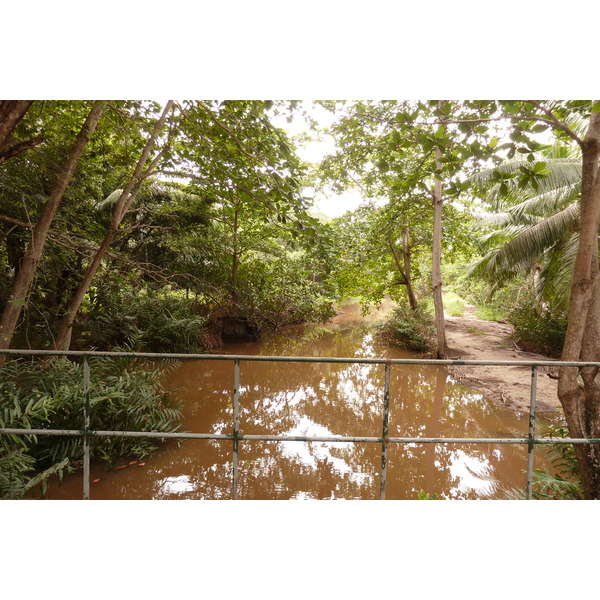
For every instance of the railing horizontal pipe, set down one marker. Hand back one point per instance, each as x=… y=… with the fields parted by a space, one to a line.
x=312 y=359
x=298 y=438
x=385 y=439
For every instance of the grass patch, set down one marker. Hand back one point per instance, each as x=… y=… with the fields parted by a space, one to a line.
x=489 y=312
x=454 y=305
x=475 y=331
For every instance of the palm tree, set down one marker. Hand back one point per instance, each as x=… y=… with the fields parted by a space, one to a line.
x=535 y=222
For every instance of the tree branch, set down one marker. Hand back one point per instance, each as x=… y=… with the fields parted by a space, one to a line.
x=21 y=147
x=17 y=222
x=555 y=122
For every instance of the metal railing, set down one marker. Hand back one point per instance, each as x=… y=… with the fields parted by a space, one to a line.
x=530 y=441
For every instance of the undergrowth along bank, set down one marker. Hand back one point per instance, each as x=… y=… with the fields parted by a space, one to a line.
x=50 y=395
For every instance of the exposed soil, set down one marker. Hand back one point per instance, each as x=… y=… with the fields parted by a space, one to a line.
x=473 y=339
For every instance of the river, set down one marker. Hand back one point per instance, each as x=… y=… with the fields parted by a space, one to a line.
x=322 y=400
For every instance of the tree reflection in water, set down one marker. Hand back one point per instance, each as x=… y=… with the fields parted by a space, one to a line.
x=326 y=399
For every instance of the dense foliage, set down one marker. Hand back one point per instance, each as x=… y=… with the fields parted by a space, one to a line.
x=173 y=217
x=51 y=396
x=410 y=329
x=166 y=226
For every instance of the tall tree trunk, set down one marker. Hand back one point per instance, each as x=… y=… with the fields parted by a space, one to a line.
x=235 y=260
x=436 y=266
x=35 y=249
x=126 y=198
x=579 y=389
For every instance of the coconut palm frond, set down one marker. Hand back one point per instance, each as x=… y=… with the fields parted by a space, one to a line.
x=563 y=172
x=500 y=219
x=488 y=268
x=539 y=237
x=535 y=221
x=553 y=285
x=562 y=163
x=527 y=246
x=109 y=201
x=548 y=203
x=503 y=236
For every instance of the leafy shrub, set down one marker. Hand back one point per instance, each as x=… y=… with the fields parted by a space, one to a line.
x=539 y=330
x=50 y=395
x=409 y=329
x=151 y=323
x=492 y=311
x=278 y=292
x=565 y=483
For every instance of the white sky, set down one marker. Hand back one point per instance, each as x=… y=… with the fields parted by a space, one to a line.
x=331 y=204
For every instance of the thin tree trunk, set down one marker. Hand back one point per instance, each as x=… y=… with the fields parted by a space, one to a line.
x=35 y=249
x=580 y=400
x=412 y=300
x=436 y=266
x=404 y=272
x=65 y=329
x=235 y=260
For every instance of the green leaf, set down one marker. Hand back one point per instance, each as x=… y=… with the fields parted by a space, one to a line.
x=539 y=128
x=426 y=142
x=596 y=106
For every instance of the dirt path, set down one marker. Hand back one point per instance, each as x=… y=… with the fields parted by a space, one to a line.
x=472 y=338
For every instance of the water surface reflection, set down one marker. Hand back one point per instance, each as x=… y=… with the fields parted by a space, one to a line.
x=317 y=400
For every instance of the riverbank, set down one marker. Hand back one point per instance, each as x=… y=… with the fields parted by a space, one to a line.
x=475 y=339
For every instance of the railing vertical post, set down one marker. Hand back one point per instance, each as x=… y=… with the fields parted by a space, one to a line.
x=86 y=427
x=236 y=426
x=531 y=443
x=384 y=435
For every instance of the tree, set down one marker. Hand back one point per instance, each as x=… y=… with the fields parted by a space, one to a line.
x=26 y=272
x=376 y=250
x=402 y=150
x=581 y=401
x=534 y=224
x=124 y=200
x=231 y=153
x=578 y=388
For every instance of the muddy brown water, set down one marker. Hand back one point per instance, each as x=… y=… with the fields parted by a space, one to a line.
x=323 y=399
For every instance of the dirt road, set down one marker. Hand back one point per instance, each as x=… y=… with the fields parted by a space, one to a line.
x=472 y=338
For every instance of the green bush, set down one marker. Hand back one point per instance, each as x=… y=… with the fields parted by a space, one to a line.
x=150 y=323
x=492 y=311
x=538 y=330
x=278 y=292
x=409 y=329
x=50 y=395
x=565 y=482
